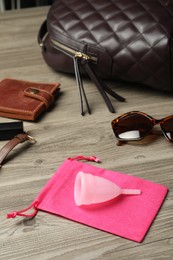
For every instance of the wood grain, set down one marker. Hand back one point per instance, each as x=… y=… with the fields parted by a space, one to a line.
x=63 y=132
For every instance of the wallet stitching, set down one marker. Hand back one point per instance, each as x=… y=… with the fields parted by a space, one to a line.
x=56 y=87
x=13 y=110
x=40 y=97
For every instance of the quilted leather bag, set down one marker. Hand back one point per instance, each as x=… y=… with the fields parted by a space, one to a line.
x=117 y=39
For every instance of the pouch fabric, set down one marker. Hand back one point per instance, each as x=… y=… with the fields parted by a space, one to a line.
x=126 y=216
x=128 y=40
x=26 y=100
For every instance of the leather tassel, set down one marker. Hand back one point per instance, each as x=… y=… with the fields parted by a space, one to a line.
x=111 y=92
x=80 y=86
x=102 y=87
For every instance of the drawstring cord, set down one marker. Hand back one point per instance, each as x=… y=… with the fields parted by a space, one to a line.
x=21 y=212
x=90 y=158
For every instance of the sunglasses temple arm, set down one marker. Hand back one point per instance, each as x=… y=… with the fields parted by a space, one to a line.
x=120 y=143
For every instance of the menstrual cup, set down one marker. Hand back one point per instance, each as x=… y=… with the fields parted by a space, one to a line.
x=91 y=189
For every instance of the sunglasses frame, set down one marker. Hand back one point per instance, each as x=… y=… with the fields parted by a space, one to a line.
x=152 y=120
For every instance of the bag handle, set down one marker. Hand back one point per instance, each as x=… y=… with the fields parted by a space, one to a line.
x=20 y=138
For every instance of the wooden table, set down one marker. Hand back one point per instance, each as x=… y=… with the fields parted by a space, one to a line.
x=64 y=133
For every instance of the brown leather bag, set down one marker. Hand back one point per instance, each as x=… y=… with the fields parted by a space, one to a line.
x=118 y=39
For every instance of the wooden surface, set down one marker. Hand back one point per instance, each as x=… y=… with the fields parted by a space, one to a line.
x=63 y=133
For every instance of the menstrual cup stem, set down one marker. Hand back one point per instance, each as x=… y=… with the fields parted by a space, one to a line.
x=130 y=191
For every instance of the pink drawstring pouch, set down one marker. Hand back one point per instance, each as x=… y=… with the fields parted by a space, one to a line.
x=128 y=216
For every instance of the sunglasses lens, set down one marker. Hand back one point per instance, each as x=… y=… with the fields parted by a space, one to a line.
x=132 y=127
x=167 y=128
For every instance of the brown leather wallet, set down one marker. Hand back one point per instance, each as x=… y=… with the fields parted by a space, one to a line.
x=26 y=100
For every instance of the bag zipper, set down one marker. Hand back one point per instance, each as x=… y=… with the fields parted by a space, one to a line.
x=76 y=55
x=84 y=59
x=73 y=53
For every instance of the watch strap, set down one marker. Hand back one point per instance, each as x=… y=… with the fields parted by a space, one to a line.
x=5 y=150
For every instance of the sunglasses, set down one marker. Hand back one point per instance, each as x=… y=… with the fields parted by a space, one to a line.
x=136 y=125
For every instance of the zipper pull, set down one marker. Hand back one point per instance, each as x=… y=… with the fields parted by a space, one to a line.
x=80 y=84
x=111 y=92
x=90 y=158
x=34 y=205
x=102 y=87
x=98 y=85
x=85 y=60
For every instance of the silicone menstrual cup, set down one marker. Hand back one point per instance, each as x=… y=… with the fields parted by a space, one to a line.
x=91 y=189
